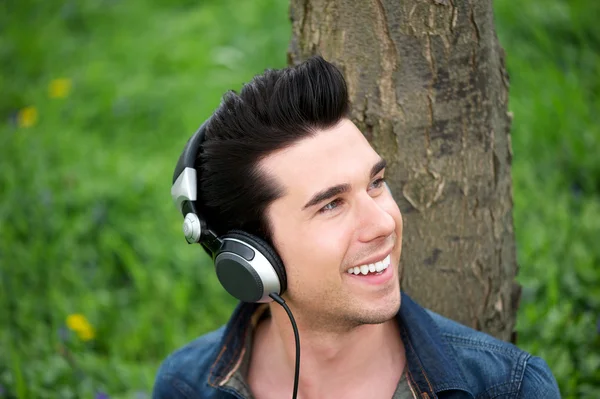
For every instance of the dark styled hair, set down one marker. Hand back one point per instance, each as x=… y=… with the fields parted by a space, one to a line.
x=272 y=112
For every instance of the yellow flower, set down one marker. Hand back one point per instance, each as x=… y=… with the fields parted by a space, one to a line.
x=27 y=117
x=86 y=335
x=78 y=323
x=59 y=88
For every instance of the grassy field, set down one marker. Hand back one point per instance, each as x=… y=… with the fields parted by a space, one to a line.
x=96 y=284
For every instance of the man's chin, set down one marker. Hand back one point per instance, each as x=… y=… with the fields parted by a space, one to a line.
x=382 y=312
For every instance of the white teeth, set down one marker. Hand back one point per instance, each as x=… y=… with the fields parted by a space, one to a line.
x=371 y=268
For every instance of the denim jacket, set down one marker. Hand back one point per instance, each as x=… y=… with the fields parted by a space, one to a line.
x=444 y=359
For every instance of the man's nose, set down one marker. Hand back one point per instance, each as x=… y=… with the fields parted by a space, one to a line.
x=375 y=222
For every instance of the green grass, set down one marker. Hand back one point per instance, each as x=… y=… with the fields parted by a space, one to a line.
x=87 y=224
x=554 y=65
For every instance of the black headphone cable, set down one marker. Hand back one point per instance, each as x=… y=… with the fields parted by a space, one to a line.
x=280 y=301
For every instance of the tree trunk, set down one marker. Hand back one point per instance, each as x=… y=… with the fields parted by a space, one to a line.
x=429 y=90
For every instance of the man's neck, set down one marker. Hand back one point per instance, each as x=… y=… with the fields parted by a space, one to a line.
x=331 y=363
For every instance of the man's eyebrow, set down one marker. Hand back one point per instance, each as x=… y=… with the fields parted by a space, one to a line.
x=341 y=188
x=378 y=167
x=326 y=194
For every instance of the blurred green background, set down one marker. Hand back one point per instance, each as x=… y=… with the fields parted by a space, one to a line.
x=98 y=97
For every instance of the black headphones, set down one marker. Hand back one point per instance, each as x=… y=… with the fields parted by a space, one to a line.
x=247 y=266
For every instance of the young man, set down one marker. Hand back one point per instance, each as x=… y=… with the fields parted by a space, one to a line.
x=283 y=162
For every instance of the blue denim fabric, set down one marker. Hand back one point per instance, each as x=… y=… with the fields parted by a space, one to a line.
x=444 y=360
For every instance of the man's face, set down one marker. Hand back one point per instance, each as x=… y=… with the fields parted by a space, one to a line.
x=336 y=214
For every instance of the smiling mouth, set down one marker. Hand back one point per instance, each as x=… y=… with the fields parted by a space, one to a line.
x=371 y=268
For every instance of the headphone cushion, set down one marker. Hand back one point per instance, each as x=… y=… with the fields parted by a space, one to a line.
x=267 y=251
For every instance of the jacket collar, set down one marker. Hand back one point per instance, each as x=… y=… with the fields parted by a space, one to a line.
x=431 y=366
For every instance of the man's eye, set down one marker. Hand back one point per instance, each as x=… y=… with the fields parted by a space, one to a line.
x=330 y=206
x=378 y=183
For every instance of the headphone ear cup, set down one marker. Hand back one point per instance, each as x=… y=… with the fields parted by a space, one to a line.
x=249 y=268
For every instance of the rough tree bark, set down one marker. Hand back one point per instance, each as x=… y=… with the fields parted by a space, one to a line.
x=429 y=90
